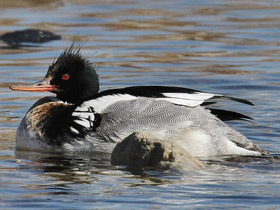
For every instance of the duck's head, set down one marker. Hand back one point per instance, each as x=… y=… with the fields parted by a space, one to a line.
x=71 y=76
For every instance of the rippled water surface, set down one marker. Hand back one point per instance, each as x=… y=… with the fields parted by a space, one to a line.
x=226 y=47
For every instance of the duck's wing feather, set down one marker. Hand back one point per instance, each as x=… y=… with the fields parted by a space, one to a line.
x=176 y=95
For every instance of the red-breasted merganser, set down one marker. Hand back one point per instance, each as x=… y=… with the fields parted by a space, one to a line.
x=81 y=118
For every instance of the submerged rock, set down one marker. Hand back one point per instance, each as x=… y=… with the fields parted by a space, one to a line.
x=144 y=150
x=29 y=36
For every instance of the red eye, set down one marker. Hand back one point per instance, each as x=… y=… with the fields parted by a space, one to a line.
x=65 y=76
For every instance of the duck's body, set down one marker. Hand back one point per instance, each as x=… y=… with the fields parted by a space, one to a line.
x=170 y=113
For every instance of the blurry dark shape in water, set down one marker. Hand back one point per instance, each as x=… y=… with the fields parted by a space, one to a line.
x=30 y=36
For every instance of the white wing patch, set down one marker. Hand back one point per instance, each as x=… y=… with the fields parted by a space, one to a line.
x=187 y=99
x=192 y=96
x=101 y=103
x=182 y=102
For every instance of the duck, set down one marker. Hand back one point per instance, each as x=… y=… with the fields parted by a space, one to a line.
x=81 y=118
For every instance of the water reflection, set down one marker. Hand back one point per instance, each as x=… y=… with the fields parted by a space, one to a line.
x=76 y=168
x=82 y=167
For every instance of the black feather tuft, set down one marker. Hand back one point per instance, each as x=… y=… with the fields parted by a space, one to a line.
x=226 y=115
x=72 y=55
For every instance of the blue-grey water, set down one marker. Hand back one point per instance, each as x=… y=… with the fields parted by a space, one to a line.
x=221 y=46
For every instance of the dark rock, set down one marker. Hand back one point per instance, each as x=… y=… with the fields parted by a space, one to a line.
x=29 y=36
x=143 y=150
